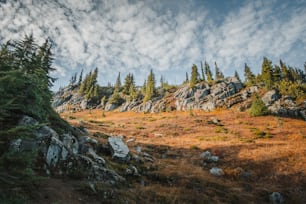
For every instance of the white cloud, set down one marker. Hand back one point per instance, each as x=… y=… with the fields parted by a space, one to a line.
x=124 y=36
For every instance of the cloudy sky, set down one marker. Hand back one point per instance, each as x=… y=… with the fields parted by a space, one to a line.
x=167 y=36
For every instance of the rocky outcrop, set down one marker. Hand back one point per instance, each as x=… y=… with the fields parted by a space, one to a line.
x=283 y=105
x=206 y=97
x=203 y=96
x=65 y=154
x=119 y=150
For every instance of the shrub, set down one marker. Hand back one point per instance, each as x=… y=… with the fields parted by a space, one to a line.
x=258 y=107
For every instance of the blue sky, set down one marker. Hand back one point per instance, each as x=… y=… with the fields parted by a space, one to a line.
x=167 y=36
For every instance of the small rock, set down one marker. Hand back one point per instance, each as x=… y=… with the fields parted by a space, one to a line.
x=15 y=145
x=205 y=155
x=208 y=157
x=130 y=140
x=138 y=149
x=132 y=170
x=276 y=198
x=214 y=158
x=119 y=149
x=216 y=171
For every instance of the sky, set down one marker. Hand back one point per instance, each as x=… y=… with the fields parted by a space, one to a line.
x=168 y=36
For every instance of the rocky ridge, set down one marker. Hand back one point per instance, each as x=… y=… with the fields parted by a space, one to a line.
x=222 y=94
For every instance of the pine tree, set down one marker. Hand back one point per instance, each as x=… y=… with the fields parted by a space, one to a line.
x=144 y=88
x=219 y=75
x=118 y=82
x=267 y=73
x=150 y=87
x=237 y=75
x=194 y=76
x=80 y=78
x=277 y=74
x=249 y=76
x=73 y=79
x=187 y=78
x=25 y=80
x=208 y=73
x=88 y=85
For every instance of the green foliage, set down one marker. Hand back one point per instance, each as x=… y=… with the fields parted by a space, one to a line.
x=150 y=87
x=116 y=98
x=194 y=76
x=25 y=80
x=292 y=89
x=237 y=75
x=129 y=86
x=258 y=107
x=89 y=87
x=208 y=73
x=219 y=75
x=118 y=82
x=249 y=76
x=267 y=73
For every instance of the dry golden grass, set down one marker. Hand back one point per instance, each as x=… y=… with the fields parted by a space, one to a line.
x=270 y=149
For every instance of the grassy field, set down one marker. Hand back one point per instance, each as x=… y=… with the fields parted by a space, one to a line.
x=258 y=155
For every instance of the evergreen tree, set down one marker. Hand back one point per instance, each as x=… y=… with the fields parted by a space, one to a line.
x=89 y=85
x=25 y=80
x=285 y=72
x=144 y=88
x=129 y=84
x=258 y=107
x=80 y=78
x=187 y=78
x=150 y=87
x=73 y=79
x=208 y=72
x=219 y=75
x=194 y=76
x=202 y=71
x=118 y=82
x=248 y=75
x=237 y=75
x=277 y=74
x=267 y=73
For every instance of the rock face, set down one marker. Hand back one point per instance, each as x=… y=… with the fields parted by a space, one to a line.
x=66 y=154
x=119 y=150
x=204 y=97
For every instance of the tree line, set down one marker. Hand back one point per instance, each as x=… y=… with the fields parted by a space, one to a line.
x=288 y=80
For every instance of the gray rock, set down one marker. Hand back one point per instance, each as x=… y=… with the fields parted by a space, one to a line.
x=119 y=149
x=276 y=198
x=92 y=154
x=132 y=170
x=205 y=155
x=71 y=143
x=54 y=152
x=216 y=171
x=110 y=107
x=27 y=120
x=270 y=97
x=15 y=145
x=208 y=157
x=84 y=104
x=303 y=114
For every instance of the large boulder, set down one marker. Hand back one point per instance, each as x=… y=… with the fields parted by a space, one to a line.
x=66 y=154
x=119 y=150
x=270 y=97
